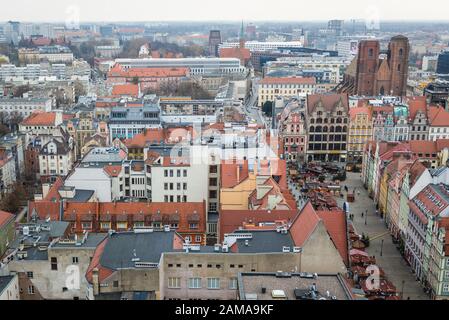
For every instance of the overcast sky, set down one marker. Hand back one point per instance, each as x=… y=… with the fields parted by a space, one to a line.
x=197 y=10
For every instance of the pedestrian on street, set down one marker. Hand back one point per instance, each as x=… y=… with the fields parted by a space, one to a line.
x=362 y=214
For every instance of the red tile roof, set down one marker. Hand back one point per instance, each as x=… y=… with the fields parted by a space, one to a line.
x=44 y=209
x=40 y=119
x=5 y=217
x=53 y=193
x=416 y=170
x=126 y=90
x=304 y=225
x=353 y=112
x=335 y=222
x=150 y=135
x=438 y=117
x=113 y=171
x=103 y=273
x=183 y=213
x=233 y=174
x=240 y=53
x=231 y=220
x=416 y=104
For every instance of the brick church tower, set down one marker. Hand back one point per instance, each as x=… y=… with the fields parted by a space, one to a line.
x=367 y=63
x=375 y=73
x=398 y=54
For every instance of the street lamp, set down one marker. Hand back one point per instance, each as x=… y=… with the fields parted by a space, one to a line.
x=366 y=217
x=381 y=247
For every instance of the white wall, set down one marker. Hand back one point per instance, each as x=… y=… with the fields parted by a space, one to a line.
x=11 y=292
x=92 y=179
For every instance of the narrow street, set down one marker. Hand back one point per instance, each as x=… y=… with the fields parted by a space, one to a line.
x=394 y=265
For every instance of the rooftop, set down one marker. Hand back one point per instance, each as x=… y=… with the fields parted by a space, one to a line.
x=292 y=286
x=4 y=282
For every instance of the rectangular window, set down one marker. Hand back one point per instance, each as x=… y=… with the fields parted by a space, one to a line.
x=86 y=225
x=213 y=283
x=105 y=225
x=197 y=238
x=195 y=283
x=75 y=260
x=233 y=284
x=446 y=287
x=122 y=225
x=174 y=283
x=54 y=263
x=30 y=274
x=31 y=289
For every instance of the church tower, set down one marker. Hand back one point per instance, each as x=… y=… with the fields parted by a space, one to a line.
x=242 y=37
x=398 y=52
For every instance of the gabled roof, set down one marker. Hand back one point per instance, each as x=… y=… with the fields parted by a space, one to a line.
x=150 y=135
x=438 y=117
x=328 y=101
x=112 y=171
x=415 y=171
x=234 y=173
x=304 y=224
x=415 y=105
x=126 y=90
x=44 y=210
x=5 y=217
x=335 y=223
x=240 y=53
x=53 y=193
x=353 y=112
x=40 y=119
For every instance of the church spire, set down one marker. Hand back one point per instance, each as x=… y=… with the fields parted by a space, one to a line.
x=242 y=37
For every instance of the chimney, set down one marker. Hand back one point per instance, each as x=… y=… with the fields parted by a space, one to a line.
x=95 y=281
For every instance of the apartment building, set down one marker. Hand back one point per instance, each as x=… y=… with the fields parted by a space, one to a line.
x=287 y=88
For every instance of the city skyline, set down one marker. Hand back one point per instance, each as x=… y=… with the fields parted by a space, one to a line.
x=205 y=11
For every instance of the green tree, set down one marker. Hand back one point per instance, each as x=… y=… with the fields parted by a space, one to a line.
x=267 y=108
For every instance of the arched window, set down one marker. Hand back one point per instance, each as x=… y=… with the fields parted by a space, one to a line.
x=399 y=67
x=370 y=52
x=319 y=129
x=312 y=129
x=401 y=52
x=337 y=129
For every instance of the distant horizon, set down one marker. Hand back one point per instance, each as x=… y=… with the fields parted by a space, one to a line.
x=218 y=21
x=286 y=11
